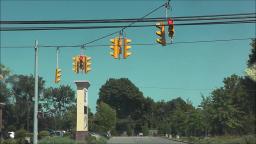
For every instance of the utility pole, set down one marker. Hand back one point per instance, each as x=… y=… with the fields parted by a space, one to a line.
x=35 y=130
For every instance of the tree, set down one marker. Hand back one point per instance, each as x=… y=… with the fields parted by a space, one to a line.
x=22 y=91
x=58 y=108
x=252 y=56
x=4 y=91
x=251 y=63
x=4 y=72
x=123 y=96
x=105 y=117
x=58 y=100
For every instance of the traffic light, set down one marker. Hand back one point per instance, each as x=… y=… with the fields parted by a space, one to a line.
x=170 y=28
x=161 y=33
x=87 y=64
x=116 y=44
x=57 y=75
x=76 y=64
x=81 y=61
x=126 y=52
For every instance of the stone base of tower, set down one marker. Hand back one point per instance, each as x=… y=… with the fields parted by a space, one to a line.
x=81 y=135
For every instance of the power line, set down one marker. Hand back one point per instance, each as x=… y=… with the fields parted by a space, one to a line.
x=135 y=44
x=186 y=89
x=181 y=18
x=130 y=26
x=105 y=36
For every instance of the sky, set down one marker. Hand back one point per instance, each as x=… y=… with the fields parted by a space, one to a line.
x=162 y=73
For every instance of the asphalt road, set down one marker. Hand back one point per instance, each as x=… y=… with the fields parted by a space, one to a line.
x=141 y=140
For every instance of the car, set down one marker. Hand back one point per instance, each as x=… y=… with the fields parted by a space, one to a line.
x=92 y=134
x=11 y=134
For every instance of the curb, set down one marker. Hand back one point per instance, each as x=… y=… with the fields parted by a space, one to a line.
x=186 y=142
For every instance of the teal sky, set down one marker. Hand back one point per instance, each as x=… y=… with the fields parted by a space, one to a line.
x=162 y=73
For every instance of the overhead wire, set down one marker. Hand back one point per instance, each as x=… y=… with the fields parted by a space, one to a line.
x=120 y=26
x=244 y=18
x=135 y=44
x=180 y=18
x=105 y=36
x=188 y=89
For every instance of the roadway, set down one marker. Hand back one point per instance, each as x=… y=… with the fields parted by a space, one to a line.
x=141 y=140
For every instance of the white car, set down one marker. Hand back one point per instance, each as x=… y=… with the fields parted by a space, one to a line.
x=11 y=134
x=97 y=136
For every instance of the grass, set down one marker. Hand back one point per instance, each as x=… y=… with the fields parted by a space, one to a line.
x=248 y=139
x=67 y=140
x=57 y=140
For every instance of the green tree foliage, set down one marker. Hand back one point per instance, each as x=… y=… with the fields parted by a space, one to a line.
x=59 y=99
x=252 y=56
x=22 y=93
x=105 y=117
x=4 y=91
x=56 y=105
x=123 y=96
x=4 y=72
x=229 y=109
x=58 y=108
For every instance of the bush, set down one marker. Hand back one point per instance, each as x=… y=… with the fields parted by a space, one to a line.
x=20 y=134
x=93 y=140
x=43 y=134
x=102 y=141
x=68 y=134
x=145 y=130
x=57 y=140
x=9 y=141
x=250 y=139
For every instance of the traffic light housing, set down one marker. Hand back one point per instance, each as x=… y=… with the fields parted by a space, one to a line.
x=87 y=64
x=161 y=33
x=81 y=62
x=170 y=28
x=126 y=51
x=57 y=75
x=76 y=64
x=116 y=44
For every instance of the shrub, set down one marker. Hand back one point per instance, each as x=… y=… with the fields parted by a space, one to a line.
x=102 y=141
x=9 y=141
x=91 y=140
x=43 y=134
x=20 y=134
x=57 y=140
x=68 y=134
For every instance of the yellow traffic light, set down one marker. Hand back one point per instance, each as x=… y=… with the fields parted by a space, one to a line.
x=57 y=75
x=161 y=33
x=87 y=64
x=116 y=44
x=171 y=28
x=76 y=64
x=126 y=52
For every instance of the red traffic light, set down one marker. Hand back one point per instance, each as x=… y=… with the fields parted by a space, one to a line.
x=81 y=58
x=170 y=21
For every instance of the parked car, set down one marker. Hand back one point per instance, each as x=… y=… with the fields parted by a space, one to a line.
x=57 y=132
x=92 y=134
x=11 y=134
